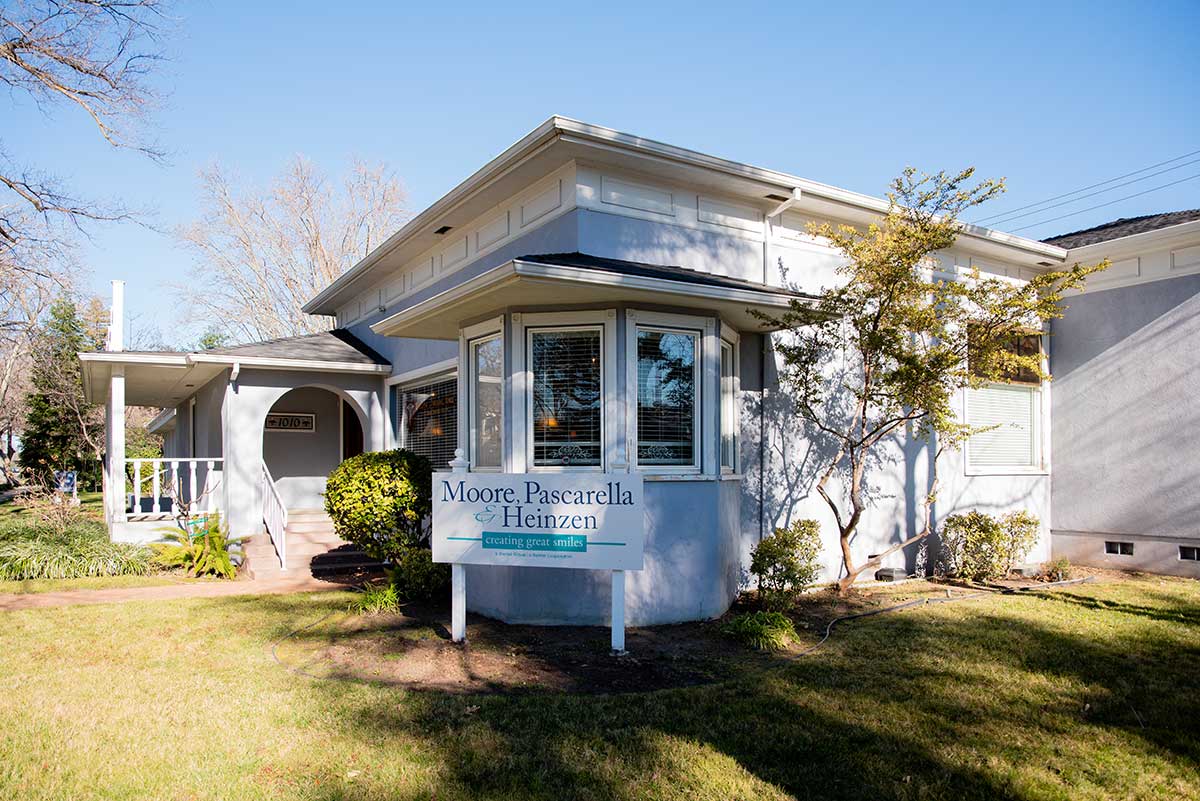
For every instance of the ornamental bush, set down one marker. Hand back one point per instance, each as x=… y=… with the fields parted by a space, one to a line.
x=785 y=563
x=38 y=551
x=416 y=577
x=761 y=630
x=979 y=547
x=379 y=501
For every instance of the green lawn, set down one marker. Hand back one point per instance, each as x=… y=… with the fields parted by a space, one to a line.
x=92 y=504
x=1090 y=693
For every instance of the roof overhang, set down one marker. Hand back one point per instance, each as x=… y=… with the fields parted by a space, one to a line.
x=163 y=421
x=533 y=285
x=165 y=379
x=560 y=140
x=1172 y=236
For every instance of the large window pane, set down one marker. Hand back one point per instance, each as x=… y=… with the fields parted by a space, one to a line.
x=487 y=396
x=666 y=397
x=729 y=421
x=429 y=420
x=566 y=397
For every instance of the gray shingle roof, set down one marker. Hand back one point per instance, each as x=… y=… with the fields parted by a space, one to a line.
x=338 y=345
x=1125 y=226
x=647 y=270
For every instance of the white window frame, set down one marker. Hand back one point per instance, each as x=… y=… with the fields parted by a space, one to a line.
x=708 y=368
x=396 y=431
x=1041 y=432
x=523 y=327
x=468 y=338
x=731 y=424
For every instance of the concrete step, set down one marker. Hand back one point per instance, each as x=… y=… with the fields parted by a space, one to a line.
x=307 y=515
x=313 y=526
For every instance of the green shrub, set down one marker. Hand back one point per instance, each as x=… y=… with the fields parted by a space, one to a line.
x=785 y=563
x=200 y=552
x=978 y=547
x=378 y=501
x=417 y=577
x=1057 y=570
x=375 y=598
x=83 y=549
x=761 y=630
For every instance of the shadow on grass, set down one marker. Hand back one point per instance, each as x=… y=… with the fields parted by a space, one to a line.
x=992 y=703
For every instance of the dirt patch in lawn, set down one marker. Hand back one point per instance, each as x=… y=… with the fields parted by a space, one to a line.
x=413 y=649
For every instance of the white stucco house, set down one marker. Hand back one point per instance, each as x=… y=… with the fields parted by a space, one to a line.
x=528 y=317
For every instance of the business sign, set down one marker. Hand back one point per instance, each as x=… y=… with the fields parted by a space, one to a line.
x=581 y=520
x=291 y=421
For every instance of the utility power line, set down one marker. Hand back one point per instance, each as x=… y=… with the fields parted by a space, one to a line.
x=1010 y=212
x=1008 y=219
x=1109 y=203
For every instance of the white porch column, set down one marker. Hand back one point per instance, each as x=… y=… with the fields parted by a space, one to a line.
x=114 y=411
x=115 y=414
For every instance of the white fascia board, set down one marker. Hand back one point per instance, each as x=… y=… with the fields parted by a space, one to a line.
x=1137 y=244
x=486 y=280
x=265 y=362
x=161 y=419
x=521 y=150
x=665 y=285
x=125 y=357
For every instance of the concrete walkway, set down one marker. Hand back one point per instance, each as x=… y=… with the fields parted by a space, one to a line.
x=168 y=592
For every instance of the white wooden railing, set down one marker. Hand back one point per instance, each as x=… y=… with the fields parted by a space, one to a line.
x=274 y=516
x=191 y=481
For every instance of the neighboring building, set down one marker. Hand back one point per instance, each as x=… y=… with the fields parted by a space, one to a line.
x=545 y=315
x=1126 y=367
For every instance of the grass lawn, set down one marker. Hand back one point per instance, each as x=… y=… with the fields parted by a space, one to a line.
x=1088 y=693
x=92 y=503
x=94 y=583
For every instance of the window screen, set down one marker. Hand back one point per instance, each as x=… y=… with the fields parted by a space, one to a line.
x=666 y=397
x=1012 y=410
x=487 y=396
x=566 y=397
x=428 y=415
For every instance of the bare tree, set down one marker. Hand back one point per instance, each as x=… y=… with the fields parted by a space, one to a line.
x=262 y=252
x=91 y=55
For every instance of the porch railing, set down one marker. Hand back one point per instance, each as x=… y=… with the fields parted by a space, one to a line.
x=274 y=516
x=190 y=481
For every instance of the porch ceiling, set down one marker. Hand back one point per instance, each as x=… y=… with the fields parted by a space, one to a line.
x=575 y=280
x=151 y=379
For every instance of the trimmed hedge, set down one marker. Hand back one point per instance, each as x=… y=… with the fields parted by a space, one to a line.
x=379 y=501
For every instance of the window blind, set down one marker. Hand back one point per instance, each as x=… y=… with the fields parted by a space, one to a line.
x=666 y=397
x=1013 y=410
x=429 y=414
x=566 y=397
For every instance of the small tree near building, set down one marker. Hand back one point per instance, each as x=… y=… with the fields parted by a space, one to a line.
x=885 y=353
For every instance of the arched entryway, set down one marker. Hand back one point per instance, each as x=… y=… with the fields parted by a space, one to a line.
x=306 y=434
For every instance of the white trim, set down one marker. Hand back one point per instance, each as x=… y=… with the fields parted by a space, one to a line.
x=611 y=433
x=417 y=373
x=469 y=338
x=161 y=419
x=705 y=454
x=731 y=338
x=313 y=365
x=516 y=269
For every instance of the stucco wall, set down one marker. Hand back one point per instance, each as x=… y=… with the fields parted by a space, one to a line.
x=301 y=461
x=1126 y=364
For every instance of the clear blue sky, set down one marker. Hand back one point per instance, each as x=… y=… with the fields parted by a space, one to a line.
x=1053 y=96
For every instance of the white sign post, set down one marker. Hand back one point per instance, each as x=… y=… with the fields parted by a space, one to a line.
x=593 y=521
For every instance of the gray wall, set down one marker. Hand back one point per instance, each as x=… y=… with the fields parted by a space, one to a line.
x=1126 y=434
x=301 y=461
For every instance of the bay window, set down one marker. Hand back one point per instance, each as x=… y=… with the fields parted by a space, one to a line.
x=729 y=402
x=566 y=396
x=486 y=401
x=668 y=397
